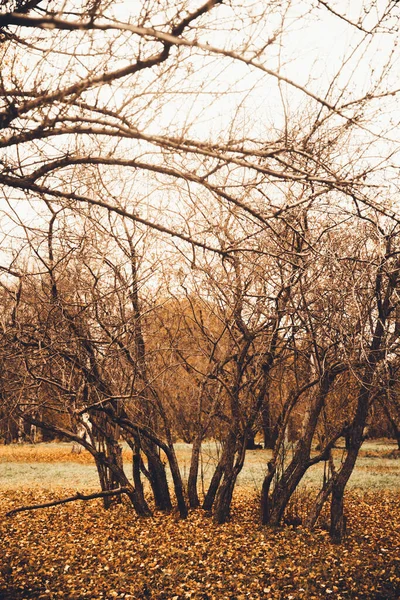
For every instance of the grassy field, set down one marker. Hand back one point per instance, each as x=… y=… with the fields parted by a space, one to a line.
x=54 y=465
x=80 y=551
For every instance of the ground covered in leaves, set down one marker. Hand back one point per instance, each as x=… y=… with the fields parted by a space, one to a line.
x=80 y=551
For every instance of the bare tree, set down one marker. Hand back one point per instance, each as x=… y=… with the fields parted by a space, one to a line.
x=117 y=121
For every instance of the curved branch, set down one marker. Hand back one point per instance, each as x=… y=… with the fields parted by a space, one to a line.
x=167 y=39
x=24 y=184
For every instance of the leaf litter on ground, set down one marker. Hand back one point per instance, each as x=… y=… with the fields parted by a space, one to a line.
x=80 y=551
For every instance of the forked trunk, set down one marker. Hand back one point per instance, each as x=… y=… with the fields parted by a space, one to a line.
x=213 y=487
x=224 y=497
x=227 y=457
x=276 y=504
x=285 y=488
x=355 y=439
x=157 y=477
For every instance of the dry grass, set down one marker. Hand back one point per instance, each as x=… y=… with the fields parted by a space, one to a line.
x=50 y=465
x=44 y=453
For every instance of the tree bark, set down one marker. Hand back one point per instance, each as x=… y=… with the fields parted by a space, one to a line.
x=225 y=492
x=228 y=449
x=177 y=481
x=355 y=440
x=193 y=495
x=157 y=477
x=270 y=431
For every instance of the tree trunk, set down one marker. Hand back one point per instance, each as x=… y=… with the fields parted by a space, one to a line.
x=224 y=496
x=214 y=485
x=318 y=504
x=102 y=472
x=355 y=439
x=286 y=486
x=270 y=431
x=265 y=493
x=251 y=442
x=178 y=485
x=108 y=454
x=224 y=499
x=193 y=495
x=157 y=477
x=396 y=432
x=338 y=519
x=136 y=466
x=136 y=497
x=112 y=476
x=276 y=504
x=228 y=453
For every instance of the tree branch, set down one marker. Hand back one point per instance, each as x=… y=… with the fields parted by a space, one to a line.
x=28 y=186
x=168 y=39
x=78 y=496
